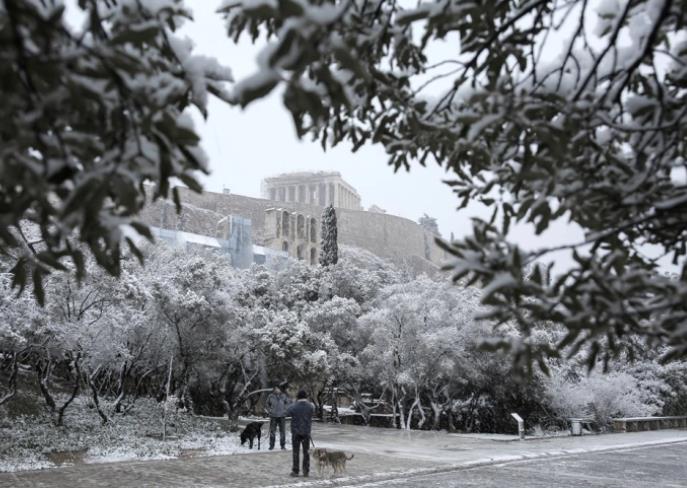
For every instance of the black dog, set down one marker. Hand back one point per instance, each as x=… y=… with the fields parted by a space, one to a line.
x=251 y=431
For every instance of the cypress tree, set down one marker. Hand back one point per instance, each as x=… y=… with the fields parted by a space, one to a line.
x=329 y=249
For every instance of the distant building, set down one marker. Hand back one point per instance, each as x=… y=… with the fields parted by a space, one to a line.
x=198 y=228
x=376 y=209
x=312 y=188
x=286 y=224
x=292 y=232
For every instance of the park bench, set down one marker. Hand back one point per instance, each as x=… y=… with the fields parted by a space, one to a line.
x=635 y=424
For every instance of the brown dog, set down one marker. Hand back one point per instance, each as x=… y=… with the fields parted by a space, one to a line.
x=334 y=459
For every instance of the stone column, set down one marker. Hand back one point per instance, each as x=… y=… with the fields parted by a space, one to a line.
x=322 y=194
x=330 y=193
x=301 y=193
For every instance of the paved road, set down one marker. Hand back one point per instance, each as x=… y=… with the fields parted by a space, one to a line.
x=236 y=471
x=655 y=467
x=382 y=454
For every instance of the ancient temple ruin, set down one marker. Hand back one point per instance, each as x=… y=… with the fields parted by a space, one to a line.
x=286 y=224
x=312 y=188
x=292 y=232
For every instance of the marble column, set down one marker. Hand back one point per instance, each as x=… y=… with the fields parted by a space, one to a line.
x=330 y=193
x=301 y=193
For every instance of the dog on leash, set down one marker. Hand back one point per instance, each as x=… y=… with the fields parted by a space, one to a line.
x=252 y=430
x=333 y=459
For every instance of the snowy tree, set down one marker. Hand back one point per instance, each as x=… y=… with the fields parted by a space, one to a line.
x=601 y=396
x=542 y=110
x=360 y=275
x=89 y=114
x=329 y=250
x=429 y=224
x=19 y=318
x=418 y=333
x=231 y=334
x=190 y=298
x=337 y=317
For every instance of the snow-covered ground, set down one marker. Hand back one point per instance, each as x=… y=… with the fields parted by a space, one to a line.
x=33 y=442
x=342 y=410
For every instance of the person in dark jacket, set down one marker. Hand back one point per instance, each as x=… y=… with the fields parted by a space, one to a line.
x=277 y=401
x=301 y=424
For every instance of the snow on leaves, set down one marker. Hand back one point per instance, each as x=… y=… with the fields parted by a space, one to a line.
x=89 y=114
x=544 y=111
x=329 y=250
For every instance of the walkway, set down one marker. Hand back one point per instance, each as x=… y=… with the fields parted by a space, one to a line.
x=655 y=467
x=379 y=454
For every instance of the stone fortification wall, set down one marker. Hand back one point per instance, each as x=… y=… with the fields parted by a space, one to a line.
x=197 y=220
x=385 y=235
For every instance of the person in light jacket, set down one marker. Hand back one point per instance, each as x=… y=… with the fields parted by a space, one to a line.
x=301 y=413
x=277 y=401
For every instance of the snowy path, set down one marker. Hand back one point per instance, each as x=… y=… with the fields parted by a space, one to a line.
x=440 y=447
x=236 y=471
x=657 y=467
x=379 y=454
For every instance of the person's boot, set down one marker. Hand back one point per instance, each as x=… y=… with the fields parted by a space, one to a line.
x=294 y=474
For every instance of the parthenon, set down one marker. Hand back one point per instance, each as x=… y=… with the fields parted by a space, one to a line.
x=314 y=188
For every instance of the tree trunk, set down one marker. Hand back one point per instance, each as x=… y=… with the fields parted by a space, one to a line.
x=233 y=418
x=140 y=384
x=94 y=395
x=77 y=381
x=164 y=412
x=436 y=410
x=423 y=418
x=401 y=415
x=318 y=398
x=451 y=425
x=44 y=373
x=410 y=413
x=12 y=383
x=393 y=410
x=123 y=373
x=401 y=410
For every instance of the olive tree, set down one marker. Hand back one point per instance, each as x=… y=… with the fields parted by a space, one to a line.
x=89 y=114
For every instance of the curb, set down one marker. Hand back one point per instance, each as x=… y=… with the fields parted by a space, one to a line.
x=351 y=482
